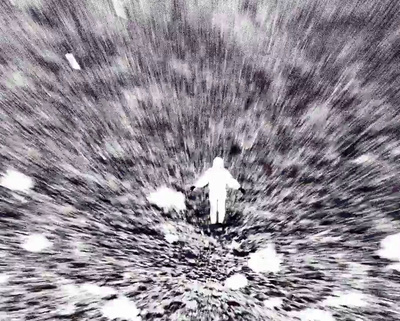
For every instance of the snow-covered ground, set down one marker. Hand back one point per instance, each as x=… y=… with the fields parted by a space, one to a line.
x=110 y=110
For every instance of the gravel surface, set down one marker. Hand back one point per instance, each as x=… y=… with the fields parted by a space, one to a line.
x=110 y=110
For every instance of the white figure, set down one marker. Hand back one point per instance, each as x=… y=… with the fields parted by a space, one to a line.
x=218 y=178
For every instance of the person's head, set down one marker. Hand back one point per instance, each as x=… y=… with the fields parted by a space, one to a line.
x=218 y=162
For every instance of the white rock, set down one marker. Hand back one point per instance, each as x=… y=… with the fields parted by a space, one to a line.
x=4 y=278
x=236 y=281
x=265 y=260
x=350 y=299
x=315 y=315
x=171 y=238
x=101 y=291
x=66 y=309
x=121 y=308
x=273 y=302
x=168 y=199
x=72 y=61
x=16 y=181
x=390 y=247
x=168 y=228
x=70 y=289
x=36 y=243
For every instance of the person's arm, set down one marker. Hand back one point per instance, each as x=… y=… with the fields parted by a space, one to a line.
x=202 y=181
x=231 y=182
x=234 y=184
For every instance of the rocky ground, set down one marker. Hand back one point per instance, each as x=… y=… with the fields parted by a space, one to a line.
x=301 y=98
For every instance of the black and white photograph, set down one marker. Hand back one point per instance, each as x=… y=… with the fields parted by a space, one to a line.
x=199 y=160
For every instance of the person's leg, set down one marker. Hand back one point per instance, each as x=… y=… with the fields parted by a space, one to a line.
x=213 y=210
x=221 y=210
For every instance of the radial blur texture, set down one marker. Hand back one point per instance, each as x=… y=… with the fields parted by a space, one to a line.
x=111 y=109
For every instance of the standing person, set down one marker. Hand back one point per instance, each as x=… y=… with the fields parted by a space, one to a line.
x=218 y=178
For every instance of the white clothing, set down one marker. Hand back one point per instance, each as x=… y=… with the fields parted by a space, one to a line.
x=218 y=179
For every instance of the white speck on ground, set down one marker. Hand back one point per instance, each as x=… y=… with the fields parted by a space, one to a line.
x=273 y=302
x=98 y=290
x=36 y=243
x=167 y=199
x=364 y=159
x=121 y=308
x=171 y=238
x=390 y=247
x=350 y=299
x=4 y=278
x=236 y=282
x=70 y=289
x=315 y=315
x=119 y=8
x=265 y=260
x=191 y=305
x=16 y=181
x=66 y=309
x=72 y=61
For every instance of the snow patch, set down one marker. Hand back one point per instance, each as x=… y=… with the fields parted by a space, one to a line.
x=4 y=278
x=350 y=299
x=36 y=243
x=171 y=238
x=236 y=282
x=390 y=247
x=71 y=290
x=315 y=315
x=121 y=308
x=265 y=260
x=86 y=290
x=66 y=309
x=96 y=290
x=168 y=199
x=364 y=159
x=16 y=181
x=192 y=305
x=273 y=302
x=66 y=209
x=72 y=61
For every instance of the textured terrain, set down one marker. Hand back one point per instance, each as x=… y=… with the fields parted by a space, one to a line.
x=301 y=98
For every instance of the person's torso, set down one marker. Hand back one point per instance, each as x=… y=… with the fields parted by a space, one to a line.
x=218 y=179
